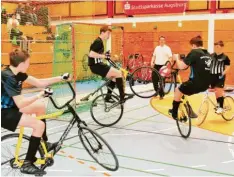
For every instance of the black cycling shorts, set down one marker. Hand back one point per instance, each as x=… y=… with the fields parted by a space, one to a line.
x=100 y=69
x=216 y=82
x=10 y=118
x=190 y=87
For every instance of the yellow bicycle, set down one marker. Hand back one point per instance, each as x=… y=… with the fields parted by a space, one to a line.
x=185 y=111
x=14 y=146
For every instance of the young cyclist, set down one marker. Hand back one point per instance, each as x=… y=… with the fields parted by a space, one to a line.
x=219 y=68
x=97 y=66
x=16 y=110
x=199 y=61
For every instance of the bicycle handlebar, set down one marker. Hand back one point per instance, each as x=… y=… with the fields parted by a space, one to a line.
x=68 y=102
x=112 y=63
x=172 y=65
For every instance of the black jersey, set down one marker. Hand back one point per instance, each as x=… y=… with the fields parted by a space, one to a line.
x=98 y=47
x=11 y=86
x=218 y=63
x=199 y=61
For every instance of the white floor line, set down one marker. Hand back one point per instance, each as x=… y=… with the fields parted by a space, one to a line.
x=127 y=134
x=230 y=161
x=155 y=170
x=60 y=170
x=198 y=166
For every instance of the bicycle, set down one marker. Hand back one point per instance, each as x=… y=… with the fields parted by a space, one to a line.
x=93 y=143
x=228 y=108
x=185 y=110
x=108 y=114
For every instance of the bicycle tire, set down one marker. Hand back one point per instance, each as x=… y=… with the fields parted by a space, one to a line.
x=183 y=118
x=15 y=170
x=202 y=112
x=95 y=137
x=228 y=104
x=148 y=76
x=110 y=119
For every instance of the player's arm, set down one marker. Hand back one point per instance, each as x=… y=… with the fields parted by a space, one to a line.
x=42 y=82
x=170 y=55
x=95 y=48
x=94 y=54
x=180 y=62
x=46 y=82
x=227 y=69
x=22 y=101
x=184 y=62
x=227 y=66
x=11 y=88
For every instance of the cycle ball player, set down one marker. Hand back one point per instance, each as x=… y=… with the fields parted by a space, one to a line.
x=16 y=110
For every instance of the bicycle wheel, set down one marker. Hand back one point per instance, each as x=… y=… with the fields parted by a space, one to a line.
x=228 y=106
x=184 y=121
x=8 y=146
x=145 y=78
x=98 y=149
x=103 y=114
x=202 y=113
x=167 y=85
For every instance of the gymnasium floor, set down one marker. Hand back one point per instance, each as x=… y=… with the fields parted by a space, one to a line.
x=146 y=143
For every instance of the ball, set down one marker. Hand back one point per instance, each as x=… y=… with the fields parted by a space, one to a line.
x=165 y=71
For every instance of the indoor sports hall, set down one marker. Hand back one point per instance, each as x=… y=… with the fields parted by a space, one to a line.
x=114 y=113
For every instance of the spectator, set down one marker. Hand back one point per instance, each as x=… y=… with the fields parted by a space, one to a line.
x=161 y=55
x=3 y=14
x=30 y=12
x=16 y=36
x=12 y=21
x=19 y=12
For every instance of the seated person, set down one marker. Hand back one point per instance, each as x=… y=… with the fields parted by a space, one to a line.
x=219 y=68
x=16 y=110
x=16 y=35
x=199 y=61
x=3 y=14
x=96 y=65
x=30 y=13
x=12 y=22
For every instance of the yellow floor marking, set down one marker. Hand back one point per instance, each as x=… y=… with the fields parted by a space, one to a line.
x=93 y=168
x=213 y=121
x=81 y=162
x=71 y=157
x=106 y=174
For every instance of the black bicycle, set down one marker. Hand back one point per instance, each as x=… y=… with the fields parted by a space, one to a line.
x=107 y=114
x=14 y=145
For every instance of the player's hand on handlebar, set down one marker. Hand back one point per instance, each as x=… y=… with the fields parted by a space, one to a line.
x=47 y=92
x=108 y=55
x=65 y=76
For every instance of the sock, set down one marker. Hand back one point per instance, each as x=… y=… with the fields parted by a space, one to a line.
x=110 y=87
x=220 y=101
x=175 y=107
x=32 y=148
x=119 y=83
x=44 y=136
